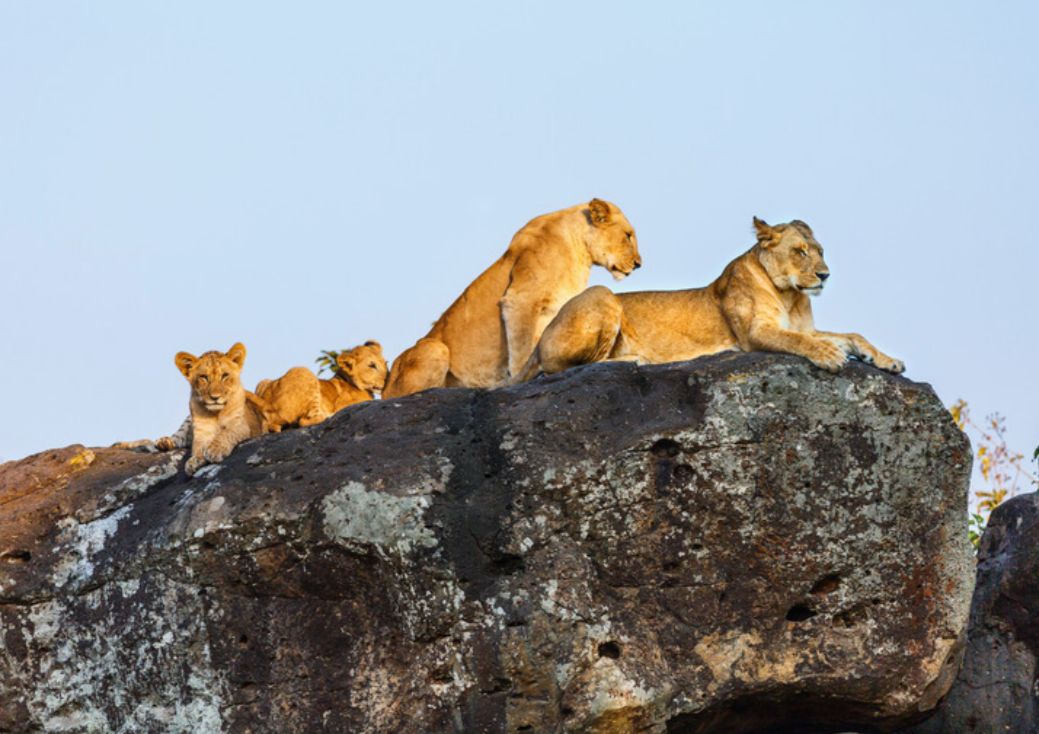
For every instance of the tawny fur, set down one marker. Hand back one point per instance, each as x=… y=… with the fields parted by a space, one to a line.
x=299 y=398
x=361 y=372
x=488 y=333
x=759 y=303
x=179 y=440
x=223 y=413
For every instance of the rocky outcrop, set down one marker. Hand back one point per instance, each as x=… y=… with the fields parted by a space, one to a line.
x=997 y=689
x=737 y=544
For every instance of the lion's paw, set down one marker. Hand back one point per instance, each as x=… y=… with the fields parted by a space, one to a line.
x=829 y=357
x=194 y=464
x=886 y=363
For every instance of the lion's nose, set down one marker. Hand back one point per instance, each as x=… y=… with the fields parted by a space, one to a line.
x=638 y=262
x=823 y=276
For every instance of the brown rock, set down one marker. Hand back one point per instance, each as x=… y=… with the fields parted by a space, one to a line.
x=741 y=543
x=997 y=689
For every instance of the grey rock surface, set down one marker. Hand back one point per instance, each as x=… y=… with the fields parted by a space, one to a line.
x=997 y=689
x=742 y=543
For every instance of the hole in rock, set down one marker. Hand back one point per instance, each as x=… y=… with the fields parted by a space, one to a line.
x=851 y=617
x=16 y=556
x=506 y=565
x=827 y=584
x=683 y=473
x=609 y=650
x=799 y=613
x=498 y=685
x=665 y=448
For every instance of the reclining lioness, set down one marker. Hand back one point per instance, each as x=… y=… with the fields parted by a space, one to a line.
x=487 y=334
x=760 y=302
x=299 y=398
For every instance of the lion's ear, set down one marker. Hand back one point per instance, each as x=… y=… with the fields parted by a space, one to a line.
x=766 y=234
x=374 y=345
x=803 y=226
x=185 y=362
x=237 y=353
x=599 y=211
x=345 y=363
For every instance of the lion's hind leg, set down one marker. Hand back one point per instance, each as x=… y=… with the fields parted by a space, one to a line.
x=419 y=368
x=315 y=410
x=585 y=330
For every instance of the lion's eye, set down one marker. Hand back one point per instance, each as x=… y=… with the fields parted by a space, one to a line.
x=203 y=379
x=372 y=365
x=628 y=235
x=803 y=253
x=225 y=377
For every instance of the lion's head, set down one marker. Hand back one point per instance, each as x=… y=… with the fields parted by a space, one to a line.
x=364 y=366
x=214 y=377
x=791 y=256
x=611 y=239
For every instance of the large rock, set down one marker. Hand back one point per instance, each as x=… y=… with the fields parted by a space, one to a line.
x=741 y=543
x=997 y=689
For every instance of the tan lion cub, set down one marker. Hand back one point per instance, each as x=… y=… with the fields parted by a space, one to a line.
x=223 y=413
x=299 y=398
x=759 y=303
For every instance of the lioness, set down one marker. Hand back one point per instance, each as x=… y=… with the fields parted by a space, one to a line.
x=760 y=302
x=489 y=331
x=299 y=398
x=223 y=413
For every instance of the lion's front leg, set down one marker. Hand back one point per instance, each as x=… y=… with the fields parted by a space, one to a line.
x=860 y=347
x=221 y=446
x=524 y=320
x=195 y=462
x=824 y=353
x=179 y=440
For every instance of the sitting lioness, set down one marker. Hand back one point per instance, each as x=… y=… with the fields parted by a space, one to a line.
x=760 y=302
x=299 y=398
x=223 y=413
x=487 y=334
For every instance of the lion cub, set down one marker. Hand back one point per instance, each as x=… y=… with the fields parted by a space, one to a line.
x=223 y=413
x=299 y=398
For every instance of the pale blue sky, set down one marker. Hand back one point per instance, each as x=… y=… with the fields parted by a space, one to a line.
x=300 y=176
